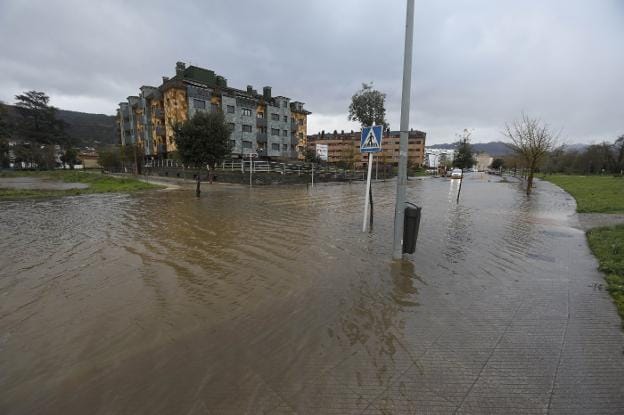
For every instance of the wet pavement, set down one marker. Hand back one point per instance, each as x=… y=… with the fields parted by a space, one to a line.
x=271 y=300
x=596 y=220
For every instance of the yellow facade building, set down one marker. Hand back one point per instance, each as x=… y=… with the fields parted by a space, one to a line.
x=271 y=126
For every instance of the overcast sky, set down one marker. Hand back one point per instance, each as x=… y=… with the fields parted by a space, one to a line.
x=477 y=64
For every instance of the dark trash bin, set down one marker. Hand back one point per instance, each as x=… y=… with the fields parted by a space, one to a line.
x=411 y=224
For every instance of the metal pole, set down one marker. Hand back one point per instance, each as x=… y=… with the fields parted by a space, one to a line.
x=461 y=179
x=312 y=174
x=368 y=186
x=397 y=246
x=377 y=167
x=250 y=169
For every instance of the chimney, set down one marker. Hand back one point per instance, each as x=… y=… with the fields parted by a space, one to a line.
x=180 y=67
x=266 y=92
x=165 y=79
x=249 y=89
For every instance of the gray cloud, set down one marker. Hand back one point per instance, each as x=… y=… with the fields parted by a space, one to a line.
x=477 y=64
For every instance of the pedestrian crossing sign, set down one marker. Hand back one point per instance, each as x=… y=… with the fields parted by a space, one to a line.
x=371 y=139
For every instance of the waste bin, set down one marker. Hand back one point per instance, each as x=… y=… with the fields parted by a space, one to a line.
x=411 y=224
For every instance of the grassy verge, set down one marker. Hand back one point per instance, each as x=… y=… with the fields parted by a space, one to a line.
x=607 y=244
x=599 y=194
x=98 y=183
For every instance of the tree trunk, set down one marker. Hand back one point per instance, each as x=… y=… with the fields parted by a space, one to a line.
x=197 y=191
x=530 y=181
x=210 y=169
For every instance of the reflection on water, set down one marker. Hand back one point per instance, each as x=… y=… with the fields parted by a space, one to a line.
x=244 y=298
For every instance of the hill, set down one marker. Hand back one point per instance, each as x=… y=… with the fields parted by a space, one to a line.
x=91 y=130
x=87 y=130
x=493 y=148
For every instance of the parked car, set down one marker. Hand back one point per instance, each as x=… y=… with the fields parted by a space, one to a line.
x=456 y=174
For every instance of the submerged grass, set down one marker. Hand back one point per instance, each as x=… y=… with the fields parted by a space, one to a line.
x=599 y=194
x=97 y=182
x=607 y=244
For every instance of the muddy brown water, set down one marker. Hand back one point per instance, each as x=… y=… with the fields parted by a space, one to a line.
x=264 y=300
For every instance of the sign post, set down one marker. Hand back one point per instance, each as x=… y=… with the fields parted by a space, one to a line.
x=370 y=143
x=322 y=151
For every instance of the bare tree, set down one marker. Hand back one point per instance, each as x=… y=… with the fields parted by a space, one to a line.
x=531 y=139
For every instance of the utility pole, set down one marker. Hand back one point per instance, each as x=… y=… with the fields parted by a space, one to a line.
x=397 y=246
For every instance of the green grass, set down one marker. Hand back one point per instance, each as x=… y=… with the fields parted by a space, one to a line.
x=599 y=194
x=98 y=183
x=607 y=244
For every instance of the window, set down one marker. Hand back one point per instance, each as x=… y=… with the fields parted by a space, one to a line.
x=247 y=112
x=284 y=147
x=417 y=141
x=285 y=118
x=285 y=133
x=284 y=103
x=260 y=114
x=232 y=143
x=300 y=121
x=232 y=126
x=199 y=104
x=275 y=117
x=215 y=107
x=246 y=128
x=274 y=131
x=275 y=147
x=246 y=144
x=230 y=109
x=300 y=136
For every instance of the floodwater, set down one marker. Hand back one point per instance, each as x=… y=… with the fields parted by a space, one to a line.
x=38 y=183
x=272 y=300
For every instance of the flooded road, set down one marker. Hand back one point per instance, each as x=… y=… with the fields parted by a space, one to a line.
x=272 y=300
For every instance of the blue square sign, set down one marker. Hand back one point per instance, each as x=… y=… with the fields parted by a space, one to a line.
x=371 y=139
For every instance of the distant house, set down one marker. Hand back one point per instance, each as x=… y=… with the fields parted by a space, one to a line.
x=89 y=160
x=483 y=161
x=438 y=157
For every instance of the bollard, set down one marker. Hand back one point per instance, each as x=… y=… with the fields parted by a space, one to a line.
x=411 y=224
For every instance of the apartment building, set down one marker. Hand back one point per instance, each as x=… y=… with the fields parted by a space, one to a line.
x=271 y=126
x=345 y=147
x=439 y=157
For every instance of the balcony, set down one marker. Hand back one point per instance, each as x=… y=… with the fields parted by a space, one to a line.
x=261 y=137
x=160 y=130
x=261 y=122
x=293 y=125
x=294 y=140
